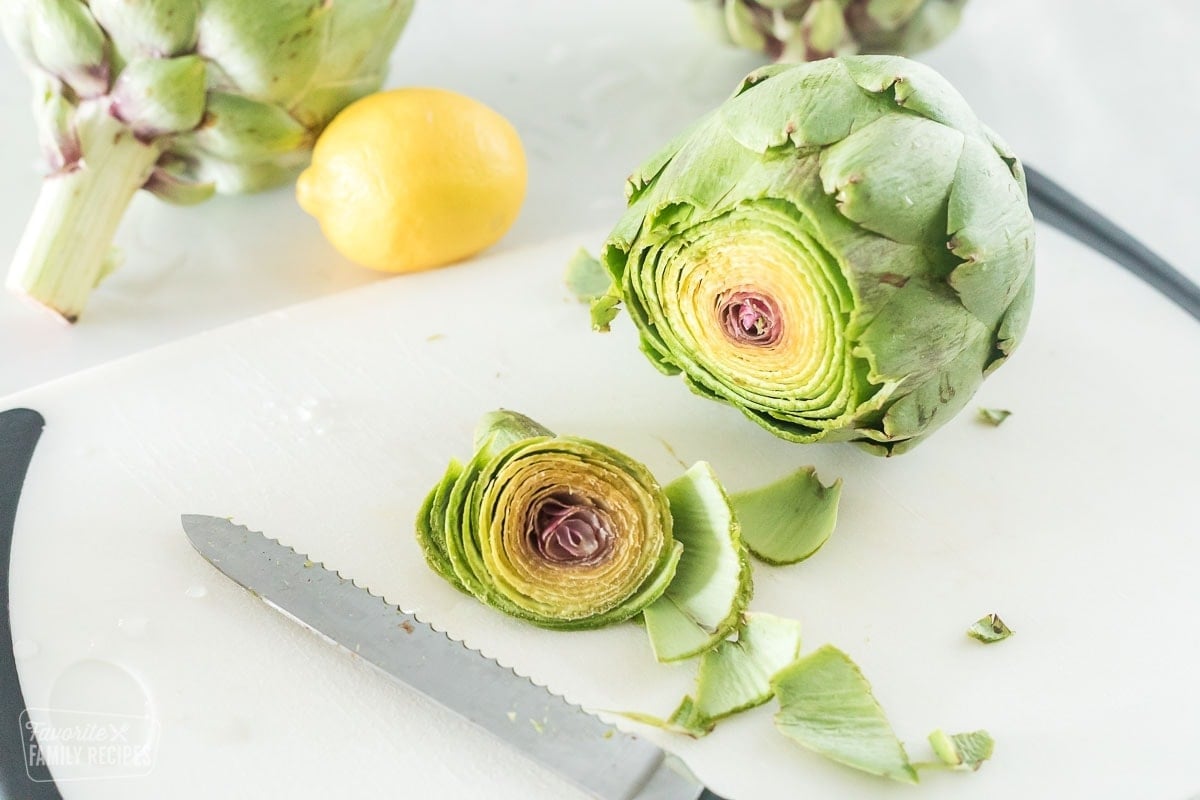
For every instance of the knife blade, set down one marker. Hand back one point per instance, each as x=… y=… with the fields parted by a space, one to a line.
x=563 y=738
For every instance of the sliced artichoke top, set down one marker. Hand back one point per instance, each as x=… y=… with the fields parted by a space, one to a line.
x=841 y=250
x=809 y=30
x=560 y=531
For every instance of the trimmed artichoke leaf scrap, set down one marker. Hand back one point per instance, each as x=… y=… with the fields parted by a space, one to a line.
x=989 y=629
x=826 y=705
x=605 y=309
x=588 y=280
x=966 y=750
x=734 y=676
x=712 y=582
x=841 y=251
x=994 y=416
x=789 y=520
x=586 y=277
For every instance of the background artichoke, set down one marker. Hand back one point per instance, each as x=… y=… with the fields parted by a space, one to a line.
x=807 y=30
x=181 y=97
x=841 y=250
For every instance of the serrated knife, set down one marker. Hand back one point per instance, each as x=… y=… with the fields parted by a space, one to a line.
x=563 y=738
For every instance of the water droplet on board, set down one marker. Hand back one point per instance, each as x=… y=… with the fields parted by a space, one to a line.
x=196 y=592
x=25 y=649
x=133 y=626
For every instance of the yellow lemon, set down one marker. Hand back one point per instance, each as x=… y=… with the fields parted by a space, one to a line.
x=410 y=179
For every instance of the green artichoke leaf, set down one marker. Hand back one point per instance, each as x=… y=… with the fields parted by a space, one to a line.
x=938 y=397
x=148 y=28
x=649 y=171
x=994 y=416
x=982 y=236
x=894 y=177
x=1008 y=157
x=239 y=129
x=989 y=629
x=586 y=277
x=737 y=674
x=431 y=525
x=161 y=96
x=236 y=176
x=561 y=532
x=693 y=183
x=605 y=309
x=787 y=521
x=931 y=22
x=712 y=583
x=826 y=705
x=922 y=330
x=268 y=57
x=354 y=63
x=807 y=108
x=917 y=88
x=321 y=103
x=1012 y=326
x=172 y=180
x=360 y=34
x=891 y=14
x=497 y=430
x=57 y=134
x=827 y=28
x=741 y=27
x=968 y=750
x=67 y=43
x=759 y=75
x=734 y=676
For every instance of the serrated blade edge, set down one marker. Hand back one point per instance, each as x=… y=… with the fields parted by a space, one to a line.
x=562 y=737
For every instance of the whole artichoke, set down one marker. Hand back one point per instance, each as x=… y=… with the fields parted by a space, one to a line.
x=182 y=98
x=808 y=30
x=841 y=250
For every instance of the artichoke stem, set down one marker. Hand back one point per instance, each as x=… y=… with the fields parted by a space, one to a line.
x=64 y=251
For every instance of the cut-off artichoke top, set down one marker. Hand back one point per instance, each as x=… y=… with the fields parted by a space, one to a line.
x=559 y=531
x=841 y=250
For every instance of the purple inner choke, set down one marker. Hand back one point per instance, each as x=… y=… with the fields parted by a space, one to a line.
x=568 y=530
x=750 y=318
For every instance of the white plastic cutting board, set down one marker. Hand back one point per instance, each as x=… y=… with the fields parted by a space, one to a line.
x=325 y=424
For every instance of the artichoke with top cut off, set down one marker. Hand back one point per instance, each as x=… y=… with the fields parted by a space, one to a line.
x=842 y=251
x=179 y=97
x=808 y=30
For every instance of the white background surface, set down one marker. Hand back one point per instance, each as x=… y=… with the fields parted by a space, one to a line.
x=1098 y=93
x=324 y=425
